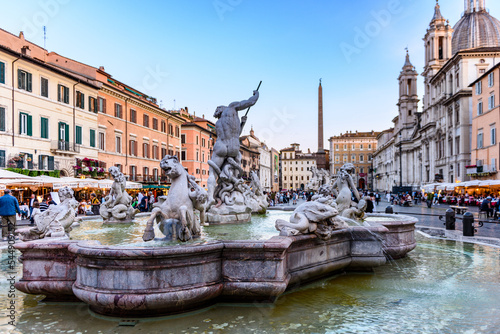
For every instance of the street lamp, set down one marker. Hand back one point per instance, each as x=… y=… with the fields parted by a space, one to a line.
x=400 y=163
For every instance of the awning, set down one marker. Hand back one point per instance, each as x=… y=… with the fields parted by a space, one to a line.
x=154 y=186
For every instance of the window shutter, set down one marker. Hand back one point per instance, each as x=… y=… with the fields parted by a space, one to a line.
x=2 y=158
x=78 y=135
x=2 y=73
x=104 y=105
x=30 y=125
x=59 y=93
x=66 y=95
x=135 y=147
x=66 y=132
x=28 y=84
x=19 y=79
x=40 y=162
x=2 y=119
x=44 y=133
x=51 y=163
x=130 y=147
x=83 y=101
x=92 y=138
x=59 y=125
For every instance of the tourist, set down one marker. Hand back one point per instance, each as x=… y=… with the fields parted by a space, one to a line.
x=24 y=210
x=486 y=206
x=140 y=196
x=143 y=205
x=31 y=202
x=135 y=202
x=50 y=201
x=9 y=206
x=294 y=198
x=44 y=206
x=34 y=212
x=429 y=199
x=377 y=198
x=369 y=204
x=95 y=204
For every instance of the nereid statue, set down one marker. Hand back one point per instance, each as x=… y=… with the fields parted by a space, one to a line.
x=175 y=214
x=56 y=221
x=117 y=207
x=312 y=217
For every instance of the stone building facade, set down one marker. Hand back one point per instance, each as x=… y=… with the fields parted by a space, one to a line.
x=296 y=167
x=435 y=145
x=356 y=148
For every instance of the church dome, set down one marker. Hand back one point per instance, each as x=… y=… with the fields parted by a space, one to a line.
x=476 y=29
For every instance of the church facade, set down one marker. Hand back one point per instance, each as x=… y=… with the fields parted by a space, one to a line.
x=435 y=145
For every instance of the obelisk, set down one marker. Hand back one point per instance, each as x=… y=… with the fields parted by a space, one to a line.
x=320 y=119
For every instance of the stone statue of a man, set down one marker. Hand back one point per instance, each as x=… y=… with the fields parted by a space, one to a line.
x=227 y=145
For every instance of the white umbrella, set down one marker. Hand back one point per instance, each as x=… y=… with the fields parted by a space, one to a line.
x=7 y=174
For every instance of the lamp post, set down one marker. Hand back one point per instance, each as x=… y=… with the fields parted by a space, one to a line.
x=400 y=162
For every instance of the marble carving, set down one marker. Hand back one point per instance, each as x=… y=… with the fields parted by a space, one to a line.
x=117 y=207
x=175 y=214
x=56 y=221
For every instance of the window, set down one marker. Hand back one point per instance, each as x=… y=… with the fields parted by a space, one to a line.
x=133 y=173
x=155 y=174
x=183 y=155
x=145 y=173
x=155 y=152
x=480 y=139
x=2 y=119
x=480 y=108
x=80 y=100
x=145 y=150
x=369 y=146
x=118 y=144
x=164 y=152
x=197 y=156
x=196 y=140
x=493 y=132
x=491 y=102
x=145 y=120
x=63 y=136
x=44 y=87
x=133 y=116
x=183 y=139
x=119 y=167
x=345 y=147
x=491 y=79
x=92 y=138
x=24 y=80
x=133 y=148
x=2 y=77
x=163 y=127
x=170 y=129
x=2 y=158
x=155 y=123
x=45 y=162
x=102 y=141
x=78 y=134
x=479 y=88
x=353 y=146
x=361 y=158
x=336 y=147
x=63 y=94
x=203 y=142
x=101 y=105
x=118 y=110
x=92 y=104
x=25 y=123
x=44 y=128
x=177 y=131
x=353 y=158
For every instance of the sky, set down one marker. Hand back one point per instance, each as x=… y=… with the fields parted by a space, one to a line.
x=204 y=53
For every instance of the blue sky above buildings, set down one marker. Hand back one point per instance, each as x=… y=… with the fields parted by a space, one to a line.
x=205 y=53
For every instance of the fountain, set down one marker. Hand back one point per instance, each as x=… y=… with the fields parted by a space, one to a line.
x=155 y=280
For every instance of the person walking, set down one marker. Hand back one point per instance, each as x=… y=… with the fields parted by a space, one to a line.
x=486 y=206
x=95 y=204
x=151 y=201
x=429 y=199
x=9 y=206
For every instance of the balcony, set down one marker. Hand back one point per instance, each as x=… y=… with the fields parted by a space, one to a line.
x=64 y=147
x=477 y=171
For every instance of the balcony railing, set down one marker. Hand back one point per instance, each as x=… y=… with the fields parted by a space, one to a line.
x=62 y=146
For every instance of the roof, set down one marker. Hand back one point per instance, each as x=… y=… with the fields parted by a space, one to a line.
x=475 y=29
x=485 y=75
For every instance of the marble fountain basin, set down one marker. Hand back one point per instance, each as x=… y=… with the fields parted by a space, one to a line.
x=139 y=281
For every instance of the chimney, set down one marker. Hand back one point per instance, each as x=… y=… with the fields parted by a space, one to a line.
x=25 y=50
x=320 y=118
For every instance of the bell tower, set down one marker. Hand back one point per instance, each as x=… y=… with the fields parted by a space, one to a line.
x=408 y=97
x=437 y=42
